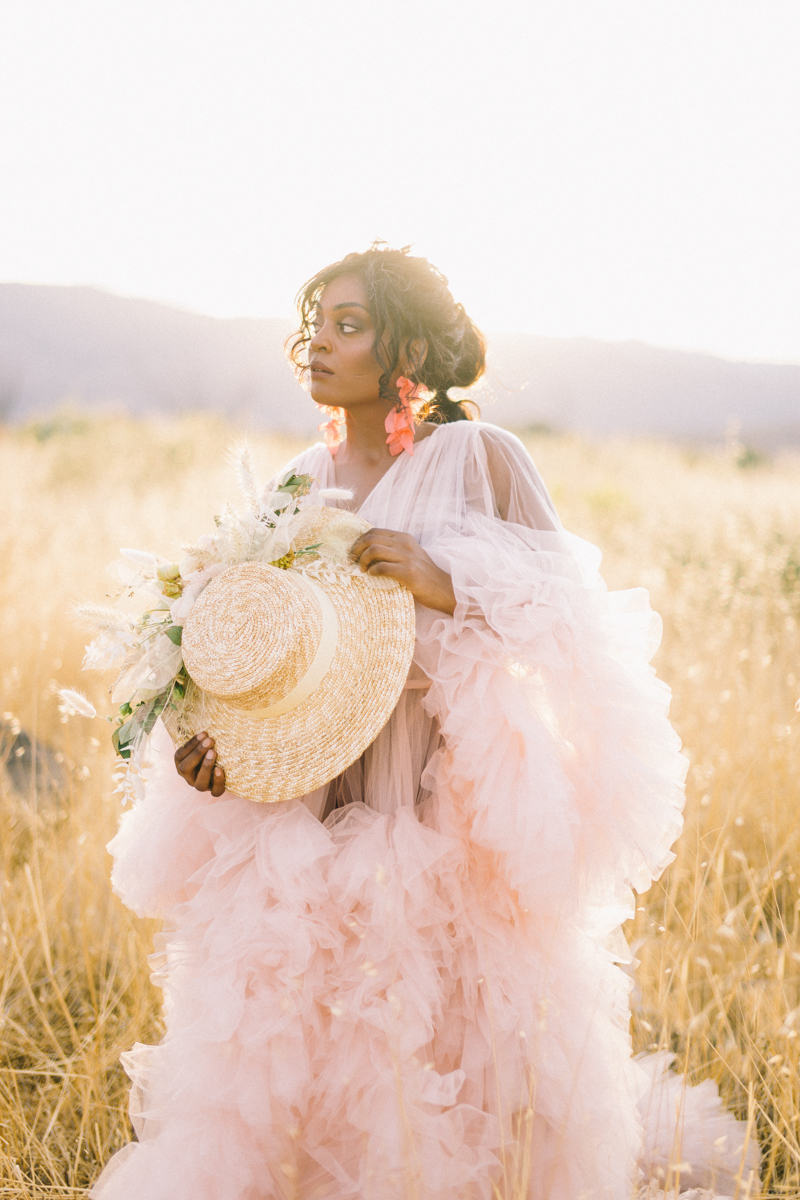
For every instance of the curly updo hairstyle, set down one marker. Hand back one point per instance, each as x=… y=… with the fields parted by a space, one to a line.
x=409 y=302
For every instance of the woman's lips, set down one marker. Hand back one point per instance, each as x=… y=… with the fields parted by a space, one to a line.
x=318 y=369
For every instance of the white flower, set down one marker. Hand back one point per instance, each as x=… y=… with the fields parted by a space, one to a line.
x=131 y=576
x=244 y=535
x=193 y=586
x=278 y=539
x=275 y=502
x=142 y=558
x=108 y=649
x=157 y=667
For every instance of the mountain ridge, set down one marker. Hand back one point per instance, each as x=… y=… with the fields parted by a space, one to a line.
x=117 y=353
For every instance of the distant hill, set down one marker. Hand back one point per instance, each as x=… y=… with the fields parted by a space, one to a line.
x=87 y=347
x=629 y=387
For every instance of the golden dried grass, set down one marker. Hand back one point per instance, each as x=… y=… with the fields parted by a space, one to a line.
x=719 y=548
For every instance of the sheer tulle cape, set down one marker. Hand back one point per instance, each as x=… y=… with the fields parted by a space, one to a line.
x=420 y=995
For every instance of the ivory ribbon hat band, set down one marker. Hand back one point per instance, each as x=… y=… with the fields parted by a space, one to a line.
x=293 y=677
x=321 y=662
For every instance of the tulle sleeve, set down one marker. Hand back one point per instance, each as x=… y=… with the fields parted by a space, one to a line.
x=517 y=488
x=556 y=727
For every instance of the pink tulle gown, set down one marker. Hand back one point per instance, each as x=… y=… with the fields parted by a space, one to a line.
x=405 y=985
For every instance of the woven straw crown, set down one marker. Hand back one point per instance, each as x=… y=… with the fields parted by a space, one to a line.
x=237 y=642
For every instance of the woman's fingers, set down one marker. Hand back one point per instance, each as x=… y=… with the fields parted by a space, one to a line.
x=381 y=545
x=359 y=545
x=196 y=764
x=188 y=747
x=189 y=767
x=394 y=570
x=387 y=552
x=389 y=540
x=191 y=758
x=381 y=553
x=204 y=771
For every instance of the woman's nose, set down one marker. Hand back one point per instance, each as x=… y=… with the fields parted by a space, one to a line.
x=319 y=339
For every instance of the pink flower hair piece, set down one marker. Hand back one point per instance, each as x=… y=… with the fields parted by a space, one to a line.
x=400 y=421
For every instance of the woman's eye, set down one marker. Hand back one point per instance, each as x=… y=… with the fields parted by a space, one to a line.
x=346 y=327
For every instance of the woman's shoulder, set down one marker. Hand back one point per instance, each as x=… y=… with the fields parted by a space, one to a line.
x=481 y=435
x=494 y=458
x=308 y=462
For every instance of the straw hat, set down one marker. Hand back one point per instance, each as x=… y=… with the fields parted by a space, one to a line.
x=294 y=677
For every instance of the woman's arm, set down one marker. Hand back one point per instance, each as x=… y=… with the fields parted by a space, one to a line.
x=400 y=556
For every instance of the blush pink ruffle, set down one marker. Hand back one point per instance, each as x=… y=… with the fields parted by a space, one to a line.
x=421 y=996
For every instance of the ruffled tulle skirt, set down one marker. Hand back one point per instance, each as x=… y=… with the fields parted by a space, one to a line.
x=419 y=997
x=360 y=1009
x=363 y=1009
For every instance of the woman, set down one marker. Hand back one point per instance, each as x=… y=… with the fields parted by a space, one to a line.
x=404 y=985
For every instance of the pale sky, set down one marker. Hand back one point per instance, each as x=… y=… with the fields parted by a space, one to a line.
x=615 y=168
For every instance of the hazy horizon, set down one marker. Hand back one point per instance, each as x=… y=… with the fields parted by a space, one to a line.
x=488 y=331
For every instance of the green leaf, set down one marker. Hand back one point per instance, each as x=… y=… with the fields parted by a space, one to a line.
x=296 y=485
x=122 y=751
x=127 y=732
x=159 y=705
x=175 y=633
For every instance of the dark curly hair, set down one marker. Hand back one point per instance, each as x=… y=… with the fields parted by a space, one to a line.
x=409 y=301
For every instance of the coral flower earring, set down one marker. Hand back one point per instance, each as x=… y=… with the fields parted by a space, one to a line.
x=400 y=421
x=332 y=429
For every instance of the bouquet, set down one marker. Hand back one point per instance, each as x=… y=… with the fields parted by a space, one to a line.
x=281 y=527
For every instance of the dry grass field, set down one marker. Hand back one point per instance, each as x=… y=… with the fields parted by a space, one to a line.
x=717 y=542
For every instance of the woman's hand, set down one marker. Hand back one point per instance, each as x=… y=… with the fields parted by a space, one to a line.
x=400 y=556
x=195 y=763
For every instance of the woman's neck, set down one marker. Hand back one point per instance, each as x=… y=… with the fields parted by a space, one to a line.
x=366 y=434
x=364 y=457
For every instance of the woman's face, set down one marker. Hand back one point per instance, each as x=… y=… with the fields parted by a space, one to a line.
x=343 y=369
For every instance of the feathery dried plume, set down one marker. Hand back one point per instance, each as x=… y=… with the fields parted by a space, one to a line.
x=335 y=493
x=243 y=465
x=337 y=538
x=240 y=538
x=102 y=618
x=75 y=704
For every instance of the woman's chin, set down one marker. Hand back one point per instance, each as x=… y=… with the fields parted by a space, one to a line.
x=322 y=393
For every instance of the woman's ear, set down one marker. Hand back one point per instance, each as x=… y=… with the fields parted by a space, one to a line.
x=414 y=355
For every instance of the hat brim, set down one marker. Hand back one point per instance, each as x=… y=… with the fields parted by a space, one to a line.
x=277 y=758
